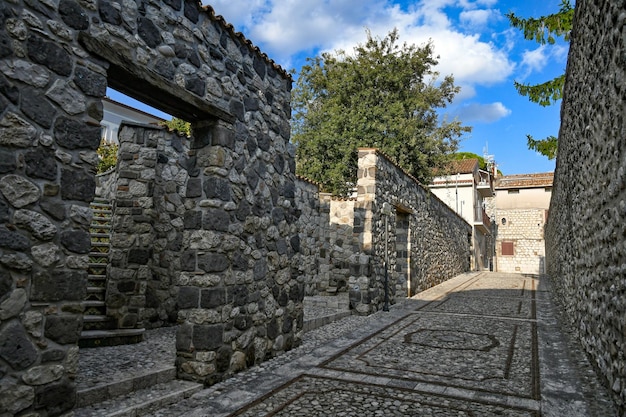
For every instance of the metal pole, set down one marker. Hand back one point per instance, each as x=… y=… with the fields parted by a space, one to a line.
x=386 y=213
x=386 y=305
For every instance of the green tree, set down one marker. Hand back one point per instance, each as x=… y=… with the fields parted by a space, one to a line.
x=107 y=152
x=383 y=95
x=545 y=30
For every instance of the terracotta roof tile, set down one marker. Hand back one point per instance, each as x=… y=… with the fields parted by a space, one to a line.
x=231 y=29
x=459 y=166
x=543 y=179
x=463 y=166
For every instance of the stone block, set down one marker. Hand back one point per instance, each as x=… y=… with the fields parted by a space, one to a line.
x=63 y=329
x=18 y=191
x=74 y=134
x=16 y=348
x=217 y=188
x=49 y=55
x=36 y=223
x=56 y=397
x=41 y=163
x=208 y=337
x=45 y=374
x=15 y=397
x=140 y=256
x=188 y=297
x=215 y=219
x=194 y=188
x=90 y=83
x=77 y=241
x=37 y=108
x=213 y=262
x=13 y=240
x=212 y=297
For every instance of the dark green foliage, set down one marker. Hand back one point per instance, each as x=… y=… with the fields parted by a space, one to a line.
x=108 y=155
x=383 y=95
x=542 y=30
x=178 y=125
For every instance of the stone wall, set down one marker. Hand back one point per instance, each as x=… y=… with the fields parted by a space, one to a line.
x=427 y=243
x=308 y=242
x=523 y=228
x=238 y=301
x=586 y=227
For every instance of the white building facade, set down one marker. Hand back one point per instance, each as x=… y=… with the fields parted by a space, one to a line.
x=113 y=114
x=466 y=189
x=520 y=211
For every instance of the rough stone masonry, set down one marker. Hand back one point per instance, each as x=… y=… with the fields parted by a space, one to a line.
x=56 y=59
x=585 y=234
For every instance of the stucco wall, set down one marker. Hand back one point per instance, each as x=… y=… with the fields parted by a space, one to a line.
x=587 y=223
x=525 y=198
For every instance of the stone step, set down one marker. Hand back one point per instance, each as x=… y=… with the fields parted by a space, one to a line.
x=142 y=401
x=100 y=245
x=100 y=235
x=114 y=337
x=96 y=277
x=98 y=322
x=102 y=205
x=100 y=226
x=93 y=304
x=95 y=293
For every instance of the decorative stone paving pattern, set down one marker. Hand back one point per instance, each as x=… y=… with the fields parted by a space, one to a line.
x=485 y=354
x=314 y=396
x=516 y=286
x=520 y=307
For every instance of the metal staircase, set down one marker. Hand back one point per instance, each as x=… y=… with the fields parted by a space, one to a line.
x=98 y=328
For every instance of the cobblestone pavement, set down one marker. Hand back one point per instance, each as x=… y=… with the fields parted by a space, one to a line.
x=481 y=344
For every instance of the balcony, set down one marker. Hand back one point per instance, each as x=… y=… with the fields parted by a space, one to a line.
x=484 y=185
x=482 y=221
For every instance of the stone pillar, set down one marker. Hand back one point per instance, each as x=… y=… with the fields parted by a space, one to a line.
x=49 y=130
x=132 y=232
x=365 y=290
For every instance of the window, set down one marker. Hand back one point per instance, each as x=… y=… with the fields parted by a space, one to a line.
x=507 y=249
x=548 y=189
x=513 y=191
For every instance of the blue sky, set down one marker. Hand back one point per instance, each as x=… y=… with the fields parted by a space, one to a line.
x=473 y=39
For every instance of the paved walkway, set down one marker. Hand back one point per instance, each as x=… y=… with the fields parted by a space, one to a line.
x=480 y=344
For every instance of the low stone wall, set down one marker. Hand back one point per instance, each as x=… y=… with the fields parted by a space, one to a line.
x=587 y=221
x=343 y=255
x=426 y=242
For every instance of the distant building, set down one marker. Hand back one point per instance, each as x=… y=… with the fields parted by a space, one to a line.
x=115 y=112
x=520 y=209
x=465 y=189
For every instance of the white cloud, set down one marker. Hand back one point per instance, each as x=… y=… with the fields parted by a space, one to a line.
x=477 y=18
x=536 y=60
x=485 y=113
x=283 y=28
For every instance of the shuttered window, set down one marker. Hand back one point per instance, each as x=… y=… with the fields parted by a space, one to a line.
x=507 y=249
